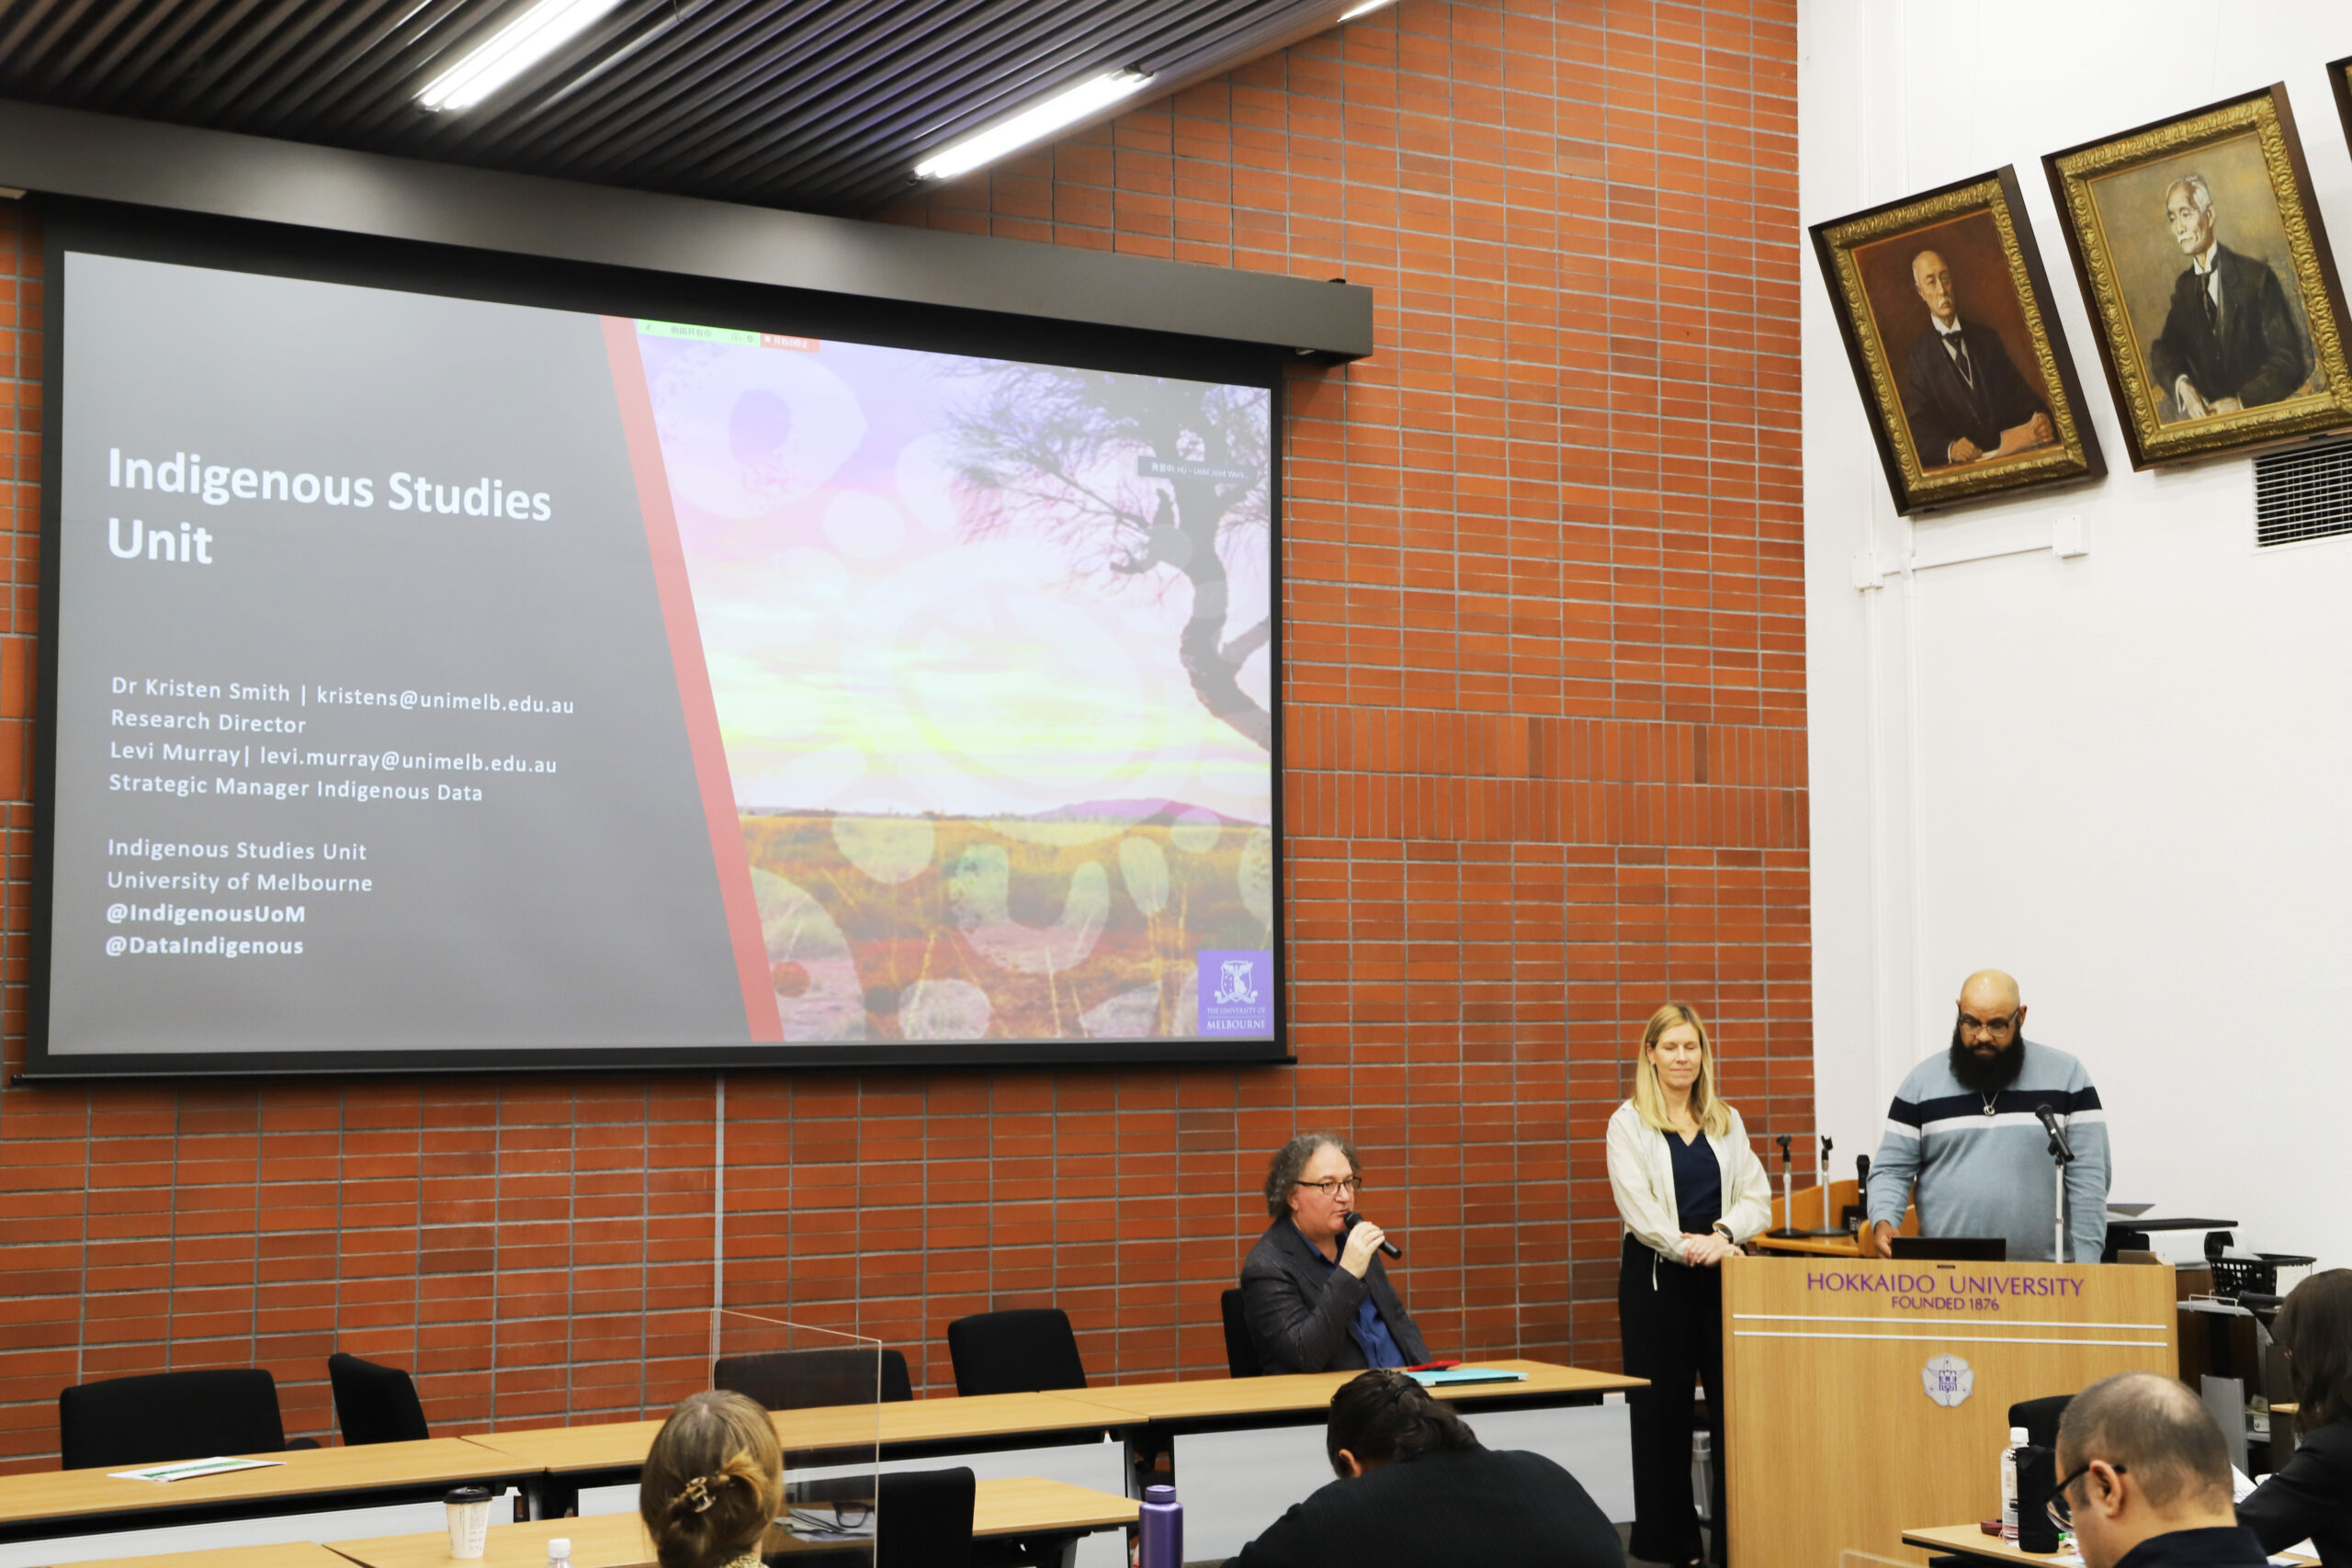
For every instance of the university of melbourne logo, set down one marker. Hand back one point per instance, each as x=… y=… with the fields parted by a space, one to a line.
x=1948 y=1379
x=1237 y=992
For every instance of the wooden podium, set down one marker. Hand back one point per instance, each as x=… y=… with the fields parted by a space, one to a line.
x=1864 y=1396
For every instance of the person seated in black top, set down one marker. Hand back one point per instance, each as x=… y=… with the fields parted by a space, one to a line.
x=1316 y=1295
x=2310 y=1494
x=1415 y=1490
x=2144 y=1479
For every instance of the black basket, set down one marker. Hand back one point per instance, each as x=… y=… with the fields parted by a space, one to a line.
x=2258 y=1273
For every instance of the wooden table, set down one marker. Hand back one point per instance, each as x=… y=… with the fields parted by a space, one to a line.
x=291 y=1554
x=60 y=1501
x=1974 y=1542
x=1248 y=1401
x=561 y=1460
x=1039 y=1514
x=550 y=1464
x=1169 y=1410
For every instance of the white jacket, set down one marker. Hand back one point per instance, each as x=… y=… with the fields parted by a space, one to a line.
x=1641 y=1173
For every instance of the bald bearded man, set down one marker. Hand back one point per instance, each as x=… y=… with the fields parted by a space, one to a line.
x=1964 y=1128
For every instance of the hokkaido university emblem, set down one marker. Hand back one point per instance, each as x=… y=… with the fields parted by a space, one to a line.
x=1948 y=1379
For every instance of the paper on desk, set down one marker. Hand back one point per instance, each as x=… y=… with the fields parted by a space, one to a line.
x=2241 y=1484
x=1447 y=1377
x=188 y=1470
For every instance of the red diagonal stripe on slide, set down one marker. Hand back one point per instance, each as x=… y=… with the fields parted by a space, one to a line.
x=694 y=681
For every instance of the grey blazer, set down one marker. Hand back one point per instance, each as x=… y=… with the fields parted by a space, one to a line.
x=1300 y=1308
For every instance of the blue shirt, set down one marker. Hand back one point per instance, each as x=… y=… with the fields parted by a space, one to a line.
x=1698 y=1183
x=1371 y=1335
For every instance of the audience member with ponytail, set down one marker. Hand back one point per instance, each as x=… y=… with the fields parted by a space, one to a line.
x=1418 y=1490
x=712 y=1483
x=2310 y=1496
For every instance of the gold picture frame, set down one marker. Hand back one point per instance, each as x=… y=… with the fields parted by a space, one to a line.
x=1958 y=356
x=2206 y=271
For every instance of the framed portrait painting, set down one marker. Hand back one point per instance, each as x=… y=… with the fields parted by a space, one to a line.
x=1962 y=366
x=2207 y=275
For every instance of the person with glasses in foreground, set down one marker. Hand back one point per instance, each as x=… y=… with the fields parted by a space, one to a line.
x=1963 y=1126
x=1313 y=1287
x=1690 y=1190
x=2144 y=1479
x=1416 y=1490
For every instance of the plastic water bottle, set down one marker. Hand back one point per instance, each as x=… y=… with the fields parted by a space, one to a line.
x=1161 y=1542
x=2018 y=1438
x=559 y=1552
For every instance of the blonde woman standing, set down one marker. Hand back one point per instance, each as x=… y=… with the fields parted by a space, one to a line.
x=1690 y=1190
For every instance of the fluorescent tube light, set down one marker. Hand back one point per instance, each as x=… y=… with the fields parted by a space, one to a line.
x=513 y=49
x=1064 y=109
x=1366 y=9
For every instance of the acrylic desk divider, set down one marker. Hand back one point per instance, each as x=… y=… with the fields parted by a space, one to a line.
x=823 y=1389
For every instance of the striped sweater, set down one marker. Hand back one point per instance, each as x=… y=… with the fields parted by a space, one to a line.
x=1990 y=1175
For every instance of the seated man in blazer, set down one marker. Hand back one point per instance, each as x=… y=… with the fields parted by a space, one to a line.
x=1317 y=1296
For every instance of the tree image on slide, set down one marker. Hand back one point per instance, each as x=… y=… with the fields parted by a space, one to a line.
x=1136 y=476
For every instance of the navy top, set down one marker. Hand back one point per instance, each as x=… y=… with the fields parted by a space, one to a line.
x=1698 y=1182
x=2211 y=1548
x=1371 y=1335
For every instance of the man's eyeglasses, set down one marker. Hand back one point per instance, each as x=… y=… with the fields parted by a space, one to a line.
x=1993 y=1026
x=2061 y=1512
x=1332 y=1186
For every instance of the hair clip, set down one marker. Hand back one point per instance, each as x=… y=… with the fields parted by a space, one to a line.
x=698 y=1492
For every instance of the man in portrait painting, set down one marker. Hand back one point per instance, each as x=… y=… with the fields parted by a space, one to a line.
x=1965 y=400
x=2229 y=342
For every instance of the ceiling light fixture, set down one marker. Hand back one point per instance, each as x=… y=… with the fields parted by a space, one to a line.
x=513 y=49
x=1369 y=7
x=1064 y=109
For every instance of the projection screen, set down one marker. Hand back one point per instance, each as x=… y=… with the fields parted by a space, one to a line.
x=435 y=682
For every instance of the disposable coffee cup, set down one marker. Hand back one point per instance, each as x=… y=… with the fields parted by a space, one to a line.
x=468 y=1509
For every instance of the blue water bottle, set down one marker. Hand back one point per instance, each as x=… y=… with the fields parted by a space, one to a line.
x=1163 y=1529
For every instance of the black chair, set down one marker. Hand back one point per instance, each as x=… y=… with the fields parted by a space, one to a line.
x=922 y=1518
x=375 y=1404
x=1240 y=1354
x=797 y=1380
x=2040 y=1418
x=165 y=1416
x=1025 y=1351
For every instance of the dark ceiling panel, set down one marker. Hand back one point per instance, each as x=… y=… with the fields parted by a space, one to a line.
x=820 y=106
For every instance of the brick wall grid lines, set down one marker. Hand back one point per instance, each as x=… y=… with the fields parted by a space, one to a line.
x=1543 y=766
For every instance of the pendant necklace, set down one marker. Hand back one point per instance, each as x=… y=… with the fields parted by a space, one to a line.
x=1989 y=1099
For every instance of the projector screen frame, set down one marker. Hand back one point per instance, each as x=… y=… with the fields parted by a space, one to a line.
x=274 y=250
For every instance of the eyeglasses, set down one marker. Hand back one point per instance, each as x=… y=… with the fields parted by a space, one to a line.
x=1993 y=1026
x=2061 y=1512
x=1332 y=1186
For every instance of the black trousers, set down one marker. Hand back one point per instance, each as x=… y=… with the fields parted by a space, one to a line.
x=1674 y=1337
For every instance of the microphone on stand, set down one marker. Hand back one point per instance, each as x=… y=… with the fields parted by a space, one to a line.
x=1787 y=1227
x=1353 y=1219
x=2062 y=1155
x=2060 y=1150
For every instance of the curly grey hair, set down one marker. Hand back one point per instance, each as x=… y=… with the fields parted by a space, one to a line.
x=1291 y=1159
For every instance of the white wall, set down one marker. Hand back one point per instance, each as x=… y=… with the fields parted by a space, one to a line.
x=2127 y=776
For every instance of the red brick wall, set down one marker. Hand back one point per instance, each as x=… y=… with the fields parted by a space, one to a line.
x=1544 y=767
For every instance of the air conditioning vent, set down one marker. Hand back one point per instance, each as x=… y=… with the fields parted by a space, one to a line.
x=2303 y=494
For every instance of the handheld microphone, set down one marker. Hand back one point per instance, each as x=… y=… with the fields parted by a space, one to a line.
x=1353 y=1220
x=2059 y=1148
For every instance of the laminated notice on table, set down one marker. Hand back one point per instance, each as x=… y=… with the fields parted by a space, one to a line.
x=188 y=1469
